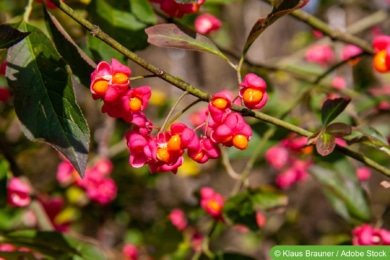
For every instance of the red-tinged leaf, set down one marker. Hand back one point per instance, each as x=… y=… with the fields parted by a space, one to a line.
x=339 y=129
x=332 y=108
x=44 y=101
x=173 y=36
x=325 y=144
x=313 y=139
x=10 y=36
x=281 y=8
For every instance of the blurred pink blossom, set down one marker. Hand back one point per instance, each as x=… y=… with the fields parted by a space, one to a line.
x=260 y=219
x=18 y=193
x=349 y=51
x=130 y=252
x=321 y=54
x=207 y=23
x=212 y=202
x=277 y=156
x=339 y=83
x=53 y=206
x=65 y=173
x=178 y=219
x=363 y=173
x=368 y=235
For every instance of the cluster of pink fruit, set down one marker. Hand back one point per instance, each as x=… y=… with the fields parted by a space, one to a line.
x=164 y=150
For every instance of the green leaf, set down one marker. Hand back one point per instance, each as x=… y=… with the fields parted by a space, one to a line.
x=54 y=244
x=17 y=255
x=3 y=182
x=281 y=8
x=332 y=108
x=240 y=210
x=342 y=185
x=325 y=144
x=233 y=256
x=371 y=137
x=268 y=198
x=44 y=97
x=116 y=18
x=82 y=66
x=143 y=10
x=339 y=129
x=173 y=36
x=10 y=36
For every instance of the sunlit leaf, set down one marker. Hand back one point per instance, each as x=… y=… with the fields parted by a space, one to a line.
x=325 y=144
x=143 y=11
x=173 y=36
x=10 y=36
x=44 y=97
x=281 y=8
x=118 y=19
x=332 y=108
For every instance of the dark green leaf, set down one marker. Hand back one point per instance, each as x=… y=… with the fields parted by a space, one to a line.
x=82 y=66
x=54 y=244
x=173 y=36
x=268 y=198
x=17 y=255
x=325 y=144
x=233 y=256
x=3 y=182
x=240 y=210
x=143 y=10
x=281 y=8
x=44 y=97
x=339 y=129
x=332 y=108
x=341 y=183
x=10 y=36
x=116 y=18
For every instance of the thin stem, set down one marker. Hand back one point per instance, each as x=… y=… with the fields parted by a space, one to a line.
x=179 y=83
x=229 y=168
x=335 y=66
x=334 y=34
x=27 y=12
x=100 y=34
x=183 y=111
x=249 y=165
x=142 y=77
x=165 y=124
